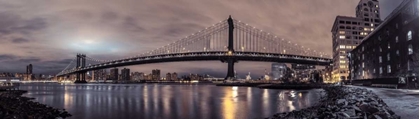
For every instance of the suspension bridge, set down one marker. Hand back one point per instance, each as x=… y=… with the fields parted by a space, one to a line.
x=228 y=41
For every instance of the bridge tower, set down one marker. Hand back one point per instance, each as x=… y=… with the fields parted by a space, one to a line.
x=81 y=63
x=230 y=60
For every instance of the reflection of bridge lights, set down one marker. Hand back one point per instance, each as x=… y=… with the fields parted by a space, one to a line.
x=235 y=88
x=292 y=94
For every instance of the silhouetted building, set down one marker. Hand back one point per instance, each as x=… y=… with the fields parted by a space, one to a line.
x=114 y=74
x=125 y=74
x=137 y=76
x=390 y=51
x=174 y=76
x=156 y=74
x=348 y=33
x=168 y=76
x=99 y=74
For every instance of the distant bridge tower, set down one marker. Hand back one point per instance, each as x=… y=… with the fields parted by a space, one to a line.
x=81 y=63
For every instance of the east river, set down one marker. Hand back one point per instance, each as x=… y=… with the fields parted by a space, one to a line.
x=168 y=101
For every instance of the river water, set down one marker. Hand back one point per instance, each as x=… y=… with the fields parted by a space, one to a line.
x=168 y=101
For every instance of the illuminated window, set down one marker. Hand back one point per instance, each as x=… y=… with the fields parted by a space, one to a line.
x=376 y=6
x=388 y=56
x=363 y=56
x=380 y=59
x=349 y=47
x=342 y=46
x=397 y=52
x=371 y=24
x=410 y=49
x=342 y=57
x=389 y=68
x=342 y=37
x=371 y=29
x=376 y=11
x=366 y=29
x=341 y=32
x=396 y=39
x=380 y=70
x=389 y=46
x=409 y=35
x=363 y=65
x=380 y=49
x=342 y=61
x=374 y=71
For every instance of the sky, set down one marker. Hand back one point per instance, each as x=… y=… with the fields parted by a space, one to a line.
x=49 y=33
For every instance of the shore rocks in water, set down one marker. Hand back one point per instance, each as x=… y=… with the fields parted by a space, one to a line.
x=14 y=106
x=343 y=102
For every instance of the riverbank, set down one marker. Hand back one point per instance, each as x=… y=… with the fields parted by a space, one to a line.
x=14 y=106
x=344 y=102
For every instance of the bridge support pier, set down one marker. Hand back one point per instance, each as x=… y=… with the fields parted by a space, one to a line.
x=231 y=71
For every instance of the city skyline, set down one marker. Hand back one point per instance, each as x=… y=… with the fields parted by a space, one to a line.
x=49 y=40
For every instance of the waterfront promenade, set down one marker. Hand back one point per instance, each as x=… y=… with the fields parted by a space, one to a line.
x=403 y=102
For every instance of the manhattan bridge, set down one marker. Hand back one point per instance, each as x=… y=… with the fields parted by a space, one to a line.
x=228 y=41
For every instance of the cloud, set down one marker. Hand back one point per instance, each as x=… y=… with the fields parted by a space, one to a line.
x=20 y=40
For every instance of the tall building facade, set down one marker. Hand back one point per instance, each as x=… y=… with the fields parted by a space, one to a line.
x=349 y=32
x=99 y=74
x=174 y=76
x=278 y=70
x=125 y=74
x=113 y=74
x=391 y=51
x=303 y=71
x=156 y=74
x=168 y=76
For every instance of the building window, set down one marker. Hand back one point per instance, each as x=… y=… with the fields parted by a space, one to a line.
x=371 y=29
x=376 y=6
x=342 y=46
x=342 y=57
x=396 y=25
x=389 y=68
x=388 y=57
x=410 y=49
x=376 y=11
x=363 y=65
x=342 y=37
x=363 y=48
x=380 y=70
x=371 y=24
x=349 y=47
x=341 y=32
x=389 y=46
x=366 y=29
x=365 y=9
x=396 y=39
x=380 y=49
x=380 y=59
x=409 y=35
x=363 y=56
x=374 y=71
x=342 y=61
x=397 y=52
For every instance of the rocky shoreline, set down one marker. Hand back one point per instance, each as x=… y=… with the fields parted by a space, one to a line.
x=14 y=106
x=340 y=102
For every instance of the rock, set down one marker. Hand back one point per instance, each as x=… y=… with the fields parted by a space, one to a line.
x=356 y=108
x=368 y=108
x=377 y=117
x=350 y=112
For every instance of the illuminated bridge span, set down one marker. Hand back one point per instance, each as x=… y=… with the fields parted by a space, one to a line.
x=228 y=41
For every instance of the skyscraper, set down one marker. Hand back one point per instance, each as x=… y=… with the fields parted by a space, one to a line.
x=114 y=74
x=174 y=76
x=155 y=74
x=348 y=32
x=29 y=69
x=125 y=74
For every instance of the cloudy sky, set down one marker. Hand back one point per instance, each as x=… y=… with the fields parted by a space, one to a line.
x=49 y=33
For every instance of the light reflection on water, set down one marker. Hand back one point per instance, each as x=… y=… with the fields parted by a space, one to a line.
x=147 y=101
